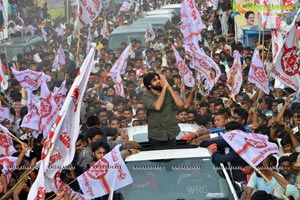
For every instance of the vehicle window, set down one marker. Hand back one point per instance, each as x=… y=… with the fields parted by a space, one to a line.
x=116 y=40
x=193 y=178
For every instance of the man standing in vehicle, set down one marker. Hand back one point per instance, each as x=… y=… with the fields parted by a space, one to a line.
x=161 y=103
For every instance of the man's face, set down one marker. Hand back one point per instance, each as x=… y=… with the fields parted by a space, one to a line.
x=156 y=84
x=296 y=118
x=141 y=115
x=79 y=146
x=220 y=121
x=250 y=20
x=128 y=115
x=285 y=168
x=103 y=118
x=182 y=117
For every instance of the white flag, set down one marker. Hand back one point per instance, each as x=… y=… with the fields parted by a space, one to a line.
x=3 y=78
x=277 y=41
x=60 y=94
x=184 y=71
x=191 y=25
x=150 y=34
x=118 y=69
x=8 y=163
x=89 y=10
x=59 y=146
x=6 y=145
x=235 y=75
x=105 y=30
x=106 y=175
x=125 y=7
x=5 y=113
x=38 y=190
x=60 y=58
x=30 y=79
x=257 y=74
x=44 y=34
x=286 y=61
x=32 y=119
x=207 y=67
x=48 y=109
x=252 y=147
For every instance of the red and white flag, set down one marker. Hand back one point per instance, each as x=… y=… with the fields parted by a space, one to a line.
x=59 y=147
x=8 y=163
x=30 y=79
x=60 y=58
x=191 y=25
x=118 y=69
x=125 y=7
x=235 y=75
x=257 y=74
x=32 y=119
x=277 y=41
x=3 y=78
x=270 y=18
x=44 y=34
x=106 y=175
x=207 y=67
x=287 y=62
x=38 y=189
x=105 y=30
x=6 y=144
x=89 y=40
x=252 y=147
x=150 y=34
x=5 y=113
x=60 y=94
x=48 y=109
x=88 y=10
x=184 y=71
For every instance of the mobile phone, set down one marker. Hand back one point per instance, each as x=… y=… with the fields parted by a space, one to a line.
x=295 y=130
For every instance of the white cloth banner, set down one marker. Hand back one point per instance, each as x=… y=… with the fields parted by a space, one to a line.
x=88 y=11
x=235 y=75
x=60 y=94
x=125 y=6
x=6 y=143
x=3 y=78
x=149 y=34
x=106 y=175
x=252 y=147
x=5 y=113
x=184 y=71
x=257 y=74
x=60 y=58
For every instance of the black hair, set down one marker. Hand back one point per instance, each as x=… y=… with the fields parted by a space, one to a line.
x=230 y=126
x=248 y=13
x=96 y=145
x=148 y=78
x=93 y=132
x=243 y=113
x=92 y=121
x=286 y=139
x=284 y=159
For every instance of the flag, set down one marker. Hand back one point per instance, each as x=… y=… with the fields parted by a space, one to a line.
x=118 y=69
x=9 y=163
x=191 y=25
x=60 y=58
x=5 y=113
x=106 y=175
x=125 y=7
x=6 y=144
x=207 y=67
x=89 y=40
x=235 y=76
x=286 y=61
x=59 y=147
x=105 y=30
x=38 y=189
x=150 y=34
x=44 y=34
x=252 y=147
x=3 y=78
x=59 y=94
x=37 y=58
x=89 y=10
x=30 y=79
x=32 y=119
x=4 y=10
x=277 y=41
x=257 y=74
x=49 y=109
x=184 y=71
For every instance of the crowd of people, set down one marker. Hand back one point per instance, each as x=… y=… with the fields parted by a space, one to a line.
x=155 y=95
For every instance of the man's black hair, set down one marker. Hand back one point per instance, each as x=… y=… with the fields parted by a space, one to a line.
x=148 y=78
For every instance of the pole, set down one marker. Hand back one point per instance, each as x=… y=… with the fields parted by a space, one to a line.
x=78 y=40
x=5 y=51
x=271 y=184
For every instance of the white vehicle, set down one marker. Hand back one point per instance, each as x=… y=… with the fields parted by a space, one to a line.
x=175 y=7
x=184 y=172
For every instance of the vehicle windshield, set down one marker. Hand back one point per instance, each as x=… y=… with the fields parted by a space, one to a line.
x=190 y=178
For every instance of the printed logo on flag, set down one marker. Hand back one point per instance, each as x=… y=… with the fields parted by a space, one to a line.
x=46 y=107
x=289 y=60
x=99 y=169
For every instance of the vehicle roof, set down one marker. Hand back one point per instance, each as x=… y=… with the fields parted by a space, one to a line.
x=176 y=5
x=180 y=153
x=159 y=12
x=21 y=40
x=129 y=29
x=153 y=20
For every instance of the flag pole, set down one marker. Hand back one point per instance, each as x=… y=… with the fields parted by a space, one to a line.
x=78 y=37
x=7 y=67
x=271 y=184
x=263 y=45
